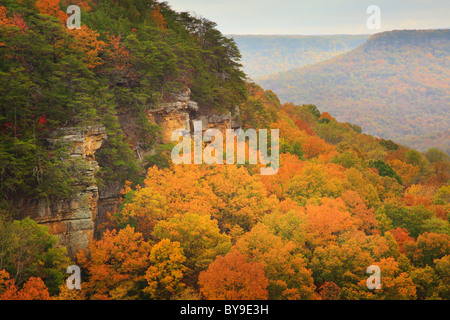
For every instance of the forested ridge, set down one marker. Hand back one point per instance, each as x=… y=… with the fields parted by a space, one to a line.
x=396 y=86
x=264 y=55
x=340 y=202
x=127 y=56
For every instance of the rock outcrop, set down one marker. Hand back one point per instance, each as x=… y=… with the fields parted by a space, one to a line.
x=174 y=115
x=109 y=196
x=221 y=121
x=72 y=220
x=182 y=112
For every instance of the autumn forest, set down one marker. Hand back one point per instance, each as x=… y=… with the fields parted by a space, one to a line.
x=341 y=201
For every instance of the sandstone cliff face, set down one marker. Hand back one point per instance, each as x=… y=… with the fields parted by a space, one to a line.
x=181 y=114
x=109 y=196
x=72 y=220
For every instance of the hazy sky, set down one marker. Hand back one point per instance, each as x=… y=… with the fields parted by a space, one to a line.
x=316 y=16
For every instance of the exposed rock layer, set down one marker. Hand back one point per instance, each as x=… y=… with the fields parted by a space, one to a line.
x=72 y=220
x=182 y=113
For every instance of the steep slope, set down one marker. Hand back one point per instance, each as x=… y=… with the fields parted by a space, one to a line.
x=101 y=102
x=397 y=86
x=266 y=54
x=122 y=73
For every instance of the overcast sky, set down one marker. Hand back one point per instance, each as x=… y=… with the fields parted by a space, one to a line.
x=314 y=17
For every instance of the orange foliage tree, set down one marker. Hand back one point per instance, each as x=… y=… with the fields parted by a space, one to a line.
x=314 y=146
x=33 y=289
x=233 y=278
x=302 y=125
x=401 y=235
x=115 y=264
x=405 y=170
x=85 y=4
x=15 y=21
x=118 y=57
x=279 y=184
x=51 y=8
x=395 y=284
x=327 y=221
x=87 y=42
x=158 y=17
x=329 y=291
x=362 y=216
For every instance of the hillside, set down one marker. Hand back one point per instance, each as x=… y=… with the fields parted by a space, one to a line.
x=266 y=54
x=88 y=184
x=107 y=74
x=396 y=86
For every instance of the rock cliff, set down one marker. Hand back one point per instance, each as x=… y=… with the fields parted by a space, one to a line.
x=72 y=220
x=182 y=112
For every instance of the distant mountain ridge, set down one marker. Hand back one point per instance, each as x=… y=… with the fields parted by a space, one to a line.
x=267 y=54
x=396 y=86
